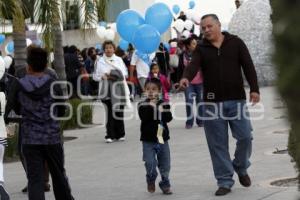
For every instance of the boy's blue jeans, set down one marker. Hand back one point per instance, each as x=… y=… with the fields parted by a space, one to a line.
x=157 y=155
x=235 y=115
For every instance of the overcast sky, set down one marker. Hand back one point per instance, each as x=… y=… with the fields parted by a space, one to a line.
x=223 y=8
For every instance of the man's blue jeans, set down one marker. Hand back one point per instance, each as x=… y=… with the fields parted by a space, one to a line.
x=191 y=91
x=157 y=155
x=235 y=115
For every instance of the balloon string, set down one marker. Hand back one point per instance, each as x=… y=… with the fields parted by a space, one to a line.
x=11 y=75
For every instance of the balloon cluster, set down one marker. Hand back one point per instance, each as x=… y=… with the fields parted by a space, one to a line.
x=105 y=32
x=184 y=27
x=144 y=33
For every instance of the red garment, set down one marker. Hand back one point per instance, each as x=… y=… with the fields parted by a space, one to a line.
x=132 y=76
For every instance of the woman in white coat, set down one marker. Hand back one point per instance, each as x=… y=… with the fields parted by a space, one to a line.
x=111 y=74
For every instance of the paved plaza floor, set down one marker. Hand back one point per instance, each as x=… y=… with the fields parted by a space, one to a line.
x=100 y=171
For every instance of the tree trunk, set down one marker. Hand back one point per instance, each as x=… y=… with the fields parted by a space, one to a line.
x=59 y=62
x=19 y=37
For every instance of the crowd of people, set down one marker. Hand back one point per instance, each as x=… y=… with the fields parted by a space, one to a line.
x=195 y=65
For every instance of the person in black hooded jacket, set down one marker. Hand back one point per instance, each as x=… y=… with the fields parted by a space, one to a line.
x=223 y=58
x=40 y=129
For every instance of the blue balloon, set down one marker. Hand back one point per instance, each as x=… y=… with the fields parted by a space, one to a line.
x=159 y=16
x=103 y=23
x=10 y=47
x=123 y=44
x=146 y=39
x=167 y=46
x=192 y=4
x=144 y=57
x=38 y=42
x=128 y=22
x=176 y=9
x=2 y=38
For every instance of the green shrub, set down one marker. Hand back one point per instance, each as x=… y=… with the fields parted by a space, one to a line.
x=286 y=57
x=11 y=151
x=86 y=115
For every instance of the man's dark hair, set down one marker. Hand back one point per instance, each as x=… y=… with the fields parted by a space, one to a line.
x=108 y=42
x=37 y=58
x=214 y=16
x=154 y=81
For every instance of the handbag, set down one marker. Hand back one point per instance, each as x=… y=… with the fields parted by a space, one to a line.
x=174 y=60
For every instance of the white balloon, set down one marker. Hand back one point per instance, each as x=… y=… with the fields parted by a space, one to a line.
x=28 y=42
x=186 y=34
x=113 y=26
x=2 y=67
x=101 y=32
x=189 y=14
x=188 y=24
x=179 y=25
x=110 y=34
x=7 y=60
x=196 y=18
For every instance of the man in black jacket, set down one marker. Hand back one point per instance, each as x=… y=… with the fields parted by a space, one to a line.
x=222 y=57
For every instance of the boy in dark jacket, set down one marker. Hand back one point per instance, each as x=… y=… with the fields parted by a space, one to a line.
x=154 y=115
x=31 y=97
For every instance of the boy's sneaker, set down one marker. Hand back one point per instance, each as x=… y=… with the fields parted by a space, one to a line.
x=122 y=139
x=25 y=189
x=167 y=191
x=188 y=126
x=108 y=140
x=151 y=187
x=4 y=195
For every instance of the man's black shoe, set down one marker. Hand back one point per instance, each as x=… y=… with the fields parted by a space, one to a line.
x=245 y=180
x=222 y=191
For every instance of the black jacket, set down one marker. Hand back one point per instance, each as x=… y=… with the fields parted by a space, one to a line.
x=151 y=118
x=72 y=65
x=222 y=69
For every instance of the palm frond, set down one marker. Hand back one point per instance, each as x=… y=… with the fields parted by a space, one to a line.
x=47 y=13
x=88 y=15
x=101 y=6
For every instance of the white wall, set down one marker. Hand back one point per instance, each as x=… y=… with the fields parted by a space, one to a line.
x=140 y=5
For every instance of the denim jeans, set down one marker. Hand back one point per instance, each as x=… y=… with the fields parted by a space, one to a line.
x=235 y=115
x=157 y=155
x=191 y=91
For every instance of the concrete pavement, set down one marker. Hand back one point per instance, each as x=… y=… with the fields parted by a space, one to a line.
x=100 y=171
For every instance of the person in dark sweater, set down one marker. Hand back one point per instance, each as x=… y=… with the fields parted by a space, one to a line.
x=31 y=97
x=222 y=58
x=155 y=114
